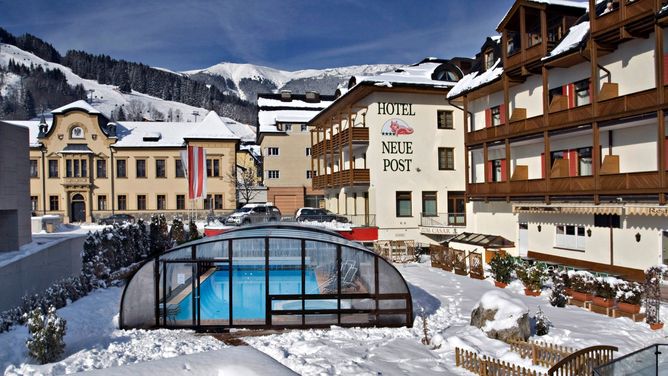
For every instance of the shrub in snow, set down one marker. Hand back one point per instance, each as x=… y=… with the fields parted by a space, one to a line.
x=159 y=234
x=502 y=266
x=652 y=286
x=558 y=296
x=178 y=232
x=543 y=323
x=629 y=293
x=532 y=276
x=605 y=288
x=582 y=282
x=46 y=342
x=193 y=232
x=501 y=317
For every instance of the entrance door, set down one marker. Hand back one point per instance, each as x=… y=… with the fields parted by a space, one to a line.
x=524 y=239
x=78 y=209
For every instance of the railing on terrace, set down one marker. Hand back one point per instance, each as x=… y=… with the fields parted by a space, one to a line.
x=652 y=360
x=627 y=11
x=442 y=219
x=355 y=220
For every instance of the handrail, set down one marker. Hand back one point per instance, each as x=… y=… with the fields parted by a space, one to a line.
x=575 y=365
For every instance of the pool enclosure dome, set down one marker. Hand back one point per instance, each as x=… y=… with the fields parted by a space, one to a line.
x=266 y=276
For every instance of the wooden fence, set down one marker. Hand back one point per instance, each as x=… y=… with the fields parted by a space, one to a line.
x=485 y=366
x=400 y=251
x=449 y=259
x=541 y=354
x=583 y=362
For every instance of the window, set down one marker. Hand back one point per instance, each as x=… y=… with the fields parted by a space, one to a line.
x=513 y=42
x=429 y=204
x=584 y=162
x=310 y=174
x=607 y=220
x=304 y=128
x=84 y=168
x=68 y=168
x=497 y=170
x=207 y=202
x=33 y=168
x=122 y=202
x=101 y=168
x=33 y=203
x=577 y=162
x=213 y=167
x=581 y=89
x=288 y=127
x=77 y=168
x=160 y=171
x=489 y=59
x=180 y=202
x=218 y=202
x=141 y=202
x=570 y=237
x=161 y=202
x=272 y=151
x=273 y=174
x=308 y=152
x=456 y=209
x=496 y=115
x=180 y=173
x=445 y=120
x=101 y=202
x=121 y=169
x=141 y=168
x=53 y=168
x=446 y=158
x=403 y=203
x=53 y=203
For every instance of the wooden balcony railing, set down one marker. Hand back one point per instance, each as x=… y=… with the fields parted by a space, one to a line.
x=628 y=12
x=616 y=184
x=524 y=56
x=341 y=140
x=343 y=178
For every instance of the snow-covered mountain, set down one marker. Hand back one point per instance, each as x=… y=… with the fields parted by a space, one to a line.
x=106 y=98
x=246 y=80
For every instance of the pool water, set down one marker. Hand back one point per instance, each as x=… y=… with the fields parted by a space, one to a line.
x=248 y=293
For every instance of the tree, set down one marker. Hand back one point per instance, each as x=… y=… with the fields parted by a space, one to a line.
x=246 y=184
x=46 y=342
x=558 y=296
x=136 y=110
x=159 y=234
x=543 y=323
x=29 y=105
x=120 y=114
x=178 y=232
x=124 y=84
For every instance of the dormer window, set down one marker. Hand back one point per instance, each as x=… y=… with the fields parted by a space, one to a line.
x=489 y=59
x=513 y=42
x=77 y=133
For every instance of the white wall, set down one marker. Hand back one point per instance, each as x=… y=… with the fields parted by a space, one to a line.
x=478 y=107
x=558 y=77
x=632 y=65
x=477 y=165
x=636 y=147
x=528 y=155
x=492 y=218
x=528 y=95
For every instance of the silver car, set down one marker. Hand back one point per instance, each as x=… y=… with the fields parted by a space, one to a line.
x=254 y=213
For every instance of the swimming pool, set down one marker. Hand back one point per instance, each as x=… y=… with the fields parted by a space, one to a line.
x=248 y=293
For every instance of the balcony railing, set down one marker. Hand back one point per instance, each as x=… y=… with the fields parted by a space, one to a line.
x=341 y=140
x=615 y=184
x=342 y=179
x=442 y=219
x=628 y=11
x=652 y=360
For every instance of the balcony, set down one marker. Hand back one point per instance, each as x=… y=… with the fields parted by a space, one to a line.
x=442 y=223
x=614 y=184
x=631 y=18
x=354 y=135
x=514 y=128
x=524 y=57
x=343 y=178
x=628 y=104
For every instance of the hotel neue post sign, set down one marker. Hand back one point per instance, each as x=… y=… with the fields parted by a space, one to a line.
x=397 y=153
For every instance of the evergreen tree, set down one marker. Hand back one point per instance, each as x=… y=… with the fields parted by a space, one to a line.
x=193 y=232
x=120 y=115
x=558 y=296
x=543 y=323
x=29 y=105
x=46 y=342
x=178 y=233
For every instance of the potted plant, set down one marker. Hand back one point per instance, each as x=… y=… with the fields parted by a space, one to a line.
x=652 y=295
x=501 y=265
x=605 y=292
x=568 y=288
x=582 y=285
x=629 y=295
x=532 y=277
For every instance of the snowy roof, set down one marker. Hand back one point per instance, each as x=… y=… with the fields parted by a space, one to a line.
x=211 y=127
x=244 y=131
x=253 y=149
x=419 y=74
x=268 y=119
x=79 y=105
x=33 y=127
x=476 y=79
x=272 y=102
x=576 y=34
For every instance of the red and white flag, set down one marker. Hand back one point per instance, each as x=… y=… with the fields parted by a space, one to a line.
x=194 y=163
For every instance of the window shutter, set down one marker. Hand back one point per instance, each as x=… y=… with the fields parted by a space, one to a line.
x=502 y=113
x=488 y=118
x=572 y=163
x=542 y=165
x=504 y=175
x=571 y=95
x=490 y=170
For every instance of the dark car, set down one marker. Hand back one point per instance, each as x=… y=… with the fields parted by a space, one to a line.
x=117 y=218
x=318 y=215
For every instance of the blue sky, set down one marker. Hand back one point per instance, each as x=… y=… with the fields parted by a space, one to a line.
x=289 y=34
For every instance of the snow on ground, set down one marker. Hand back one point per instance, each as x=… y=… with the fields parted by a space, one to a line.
x=447 y=300
x=92 y=340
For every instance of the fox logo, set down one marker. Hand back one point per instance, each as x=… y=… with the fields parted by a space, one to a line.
x=400 y=129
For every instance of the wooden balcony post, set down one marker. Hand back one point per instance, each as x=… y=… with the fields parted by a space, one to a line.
x=594 y=77
x=507 y=182
x=523 y=32
x=546 y=95
x=543 y=30
x=485 y=155
x=658 y=64
x=506 y=102
x=592 y=15
x=596 y=160
x=661 y=117
x=350 y=144
x=312 y=157
x=547 y=165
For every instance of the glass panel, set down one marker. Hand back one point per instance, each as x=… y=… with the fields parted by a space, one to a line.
x=214 y=250
x=392 y=320
x=321 y=262
x=327 y=319
x=286 y=305
x=248 y=282
x=357 y=271
x=214 y=293
x=357 y=304
x=357 y=318
x=285 y=267
x=321 y=304
x=176 y=304
x=286 y=320
x=180 y=254
x=392 y=304
x=138 y=309
x=389 y=280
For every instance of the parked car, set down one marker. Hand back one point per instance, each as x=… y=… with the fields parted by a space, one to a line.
x=318 y=215
x=116 y=218
x=254 y=213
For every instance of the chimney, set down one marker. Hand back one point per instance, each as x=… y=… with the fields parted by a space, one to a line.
x=312 y=96
x=286 y=95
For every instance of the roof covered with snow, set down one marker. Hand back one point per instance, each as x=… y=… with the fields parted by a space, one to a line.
x=78 y=105
x=298 y=103
x=418 y=74
x=475 y=80
x=299 y=110
x=268 y=119
x=576 y=35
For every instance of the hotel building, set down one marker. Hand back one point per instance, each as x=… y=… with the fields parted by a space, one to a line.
x=285 y=141
x=388 y=152
x=566 y=137
x=84 y=166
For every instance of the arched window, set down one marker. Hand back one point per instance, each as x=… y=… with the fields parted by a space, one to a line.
x=77 y=132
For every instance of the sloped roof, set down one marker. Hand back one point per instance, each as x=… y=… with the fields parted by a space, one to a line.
x=273 y=110
x=418 y=74
x=78 y=105
x=577 y=34
x=475 y=80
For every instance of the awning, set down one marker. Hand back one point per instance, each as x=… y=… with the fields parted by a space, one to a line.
x=568 y=209
x=483 y=240
x=654 y=211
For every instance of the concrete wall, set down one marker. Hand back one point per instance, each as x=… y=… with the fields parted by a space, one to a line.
x=14 y=187
x=35 y=272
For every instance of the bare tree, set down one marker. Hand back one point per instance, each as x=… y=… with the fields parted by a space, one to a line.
x=135 y=110
x=246 y=184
